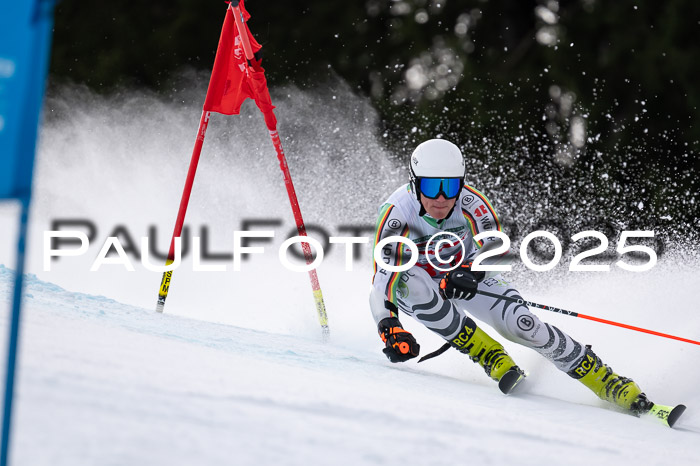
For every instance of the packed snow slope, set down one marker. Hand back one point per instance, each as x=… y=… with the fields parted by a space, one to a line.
x=235 y=371
x=107 y=383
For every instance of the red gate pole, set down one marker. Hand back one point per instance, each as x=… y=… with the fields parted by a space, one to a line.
x=274 y=135
x=184 y=201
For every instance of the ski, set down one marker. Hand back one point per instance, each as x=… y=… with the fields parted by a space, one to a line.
x=667 y=414
x=510 y=380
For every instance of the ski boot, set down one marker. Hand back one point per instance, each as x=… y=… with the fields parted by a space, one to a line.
x=621 y=391
x=608 y=385
x=489 y=354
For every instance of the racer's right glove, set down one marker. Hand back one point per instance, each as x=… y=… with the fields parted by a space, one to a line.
x=400 y=344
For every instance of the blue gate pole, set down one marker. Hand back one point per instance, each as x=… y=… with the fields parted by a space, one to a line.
x=14 y=332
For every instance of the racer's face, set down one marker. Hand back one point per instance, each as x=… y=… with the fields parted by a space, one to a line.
x=438 y=208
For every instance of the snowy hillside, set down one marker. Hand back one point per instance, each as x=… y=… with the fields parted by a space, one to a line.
x=235 y=371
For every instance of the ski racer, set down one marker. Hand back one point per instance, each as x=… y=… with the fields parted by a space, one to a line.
x=436 y=205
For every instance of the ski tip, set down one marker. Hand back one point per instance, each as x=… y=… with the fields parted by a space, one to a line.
x=667 y=414
x=510 y=380
x=675 y=414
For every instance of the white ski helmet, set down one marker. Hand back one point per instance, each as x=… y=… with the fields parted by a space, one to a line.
x=436 y=158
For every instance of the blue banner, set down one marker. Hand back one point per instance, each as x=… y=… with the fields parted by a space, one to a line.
x=25 y=39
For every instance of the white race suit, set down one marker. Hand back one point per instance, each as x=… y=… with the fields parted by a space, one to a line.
x=416 y=291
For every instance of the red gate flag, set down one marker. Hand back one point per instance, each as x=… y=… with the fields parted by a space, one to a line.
x=232 y=80
x=236 y=76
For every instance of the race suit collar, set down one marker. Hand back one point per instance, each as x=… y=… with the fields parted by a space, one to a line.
x=430 y=220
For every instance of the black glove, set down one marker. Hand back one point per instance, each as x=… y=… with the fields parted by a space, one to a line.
x=461 y=283
x=400 y=344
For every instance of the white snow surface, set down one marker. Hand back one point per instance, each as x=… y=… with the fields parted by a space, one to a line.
x=101 y=382
x=235 y=371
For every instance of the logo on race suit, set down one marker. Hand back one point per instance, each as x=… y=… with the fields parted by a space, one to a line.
x=526 y=323
x=394 y=224
x=492 y=281
x=402 y=290
x=481 y=210
x=486 y=224
x=466 y=200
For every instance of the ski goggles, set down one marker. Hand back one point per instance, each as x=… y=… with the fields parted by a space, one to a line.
x=433 y=187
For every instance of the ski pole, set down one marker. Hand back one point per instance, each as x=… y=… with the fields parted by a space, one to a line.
x=584 y=316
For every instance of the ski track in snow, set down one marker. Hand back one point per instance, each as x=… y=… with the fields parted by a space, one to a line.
x=102 y=382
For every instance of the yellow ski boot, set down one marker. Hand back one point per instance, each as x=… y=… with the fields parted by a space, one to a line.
x=608 y=385
x=489 y=354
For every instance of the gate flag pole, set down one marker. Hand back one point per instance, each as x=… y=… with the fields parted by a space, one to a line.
x=236 y=76
x=184 y=201
x=261 y=95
